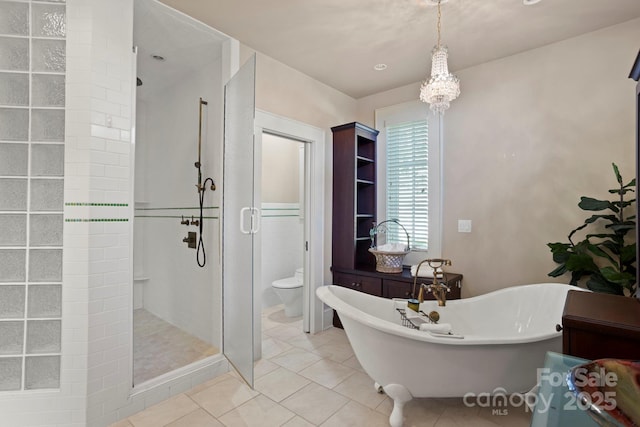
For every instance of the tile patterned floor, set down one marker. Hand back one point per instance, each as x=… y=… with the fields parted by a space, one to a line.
x=160 y=347
x=307 y=380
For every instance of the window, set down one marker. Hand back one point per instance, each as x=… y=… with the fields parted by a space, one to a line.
x=409 y=174
x=408 y=181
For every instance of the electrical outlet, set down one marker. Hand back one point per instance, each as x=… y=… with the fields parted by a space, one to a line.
x=464 y=226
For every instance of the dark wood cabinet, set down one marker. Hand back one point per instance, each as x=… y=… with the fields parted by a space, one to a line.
x=354 y=194
x=597 y=326
x=368 y=285
x=354 y=214
x=389 y=285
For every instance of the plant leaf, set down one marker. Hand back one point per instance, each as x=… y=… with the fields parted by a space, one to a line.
x=559 y=271
x=628 y=254
x=617 y=172
x=591 y=204
x=598 y=284
x=581 y=262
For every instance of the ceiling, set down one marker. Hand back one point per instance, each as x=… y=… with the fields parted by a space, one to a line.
x=338 y=42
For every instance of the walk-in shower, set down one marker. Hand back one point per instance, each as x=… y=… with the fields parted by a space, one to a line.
x=177 y=309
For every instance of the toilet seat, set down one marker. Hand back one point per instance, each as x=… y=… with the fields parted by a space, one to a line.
x=287 y=283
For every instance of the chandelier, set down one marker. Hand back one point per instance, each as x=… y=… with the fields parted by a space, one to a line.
x=442 y=87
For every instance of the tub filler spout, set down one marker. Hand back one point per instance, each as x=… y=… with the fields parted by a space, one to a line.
x=439 y=292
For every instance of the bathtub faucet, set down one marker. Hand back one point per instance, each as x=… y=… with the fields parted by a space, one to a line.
x=438 y=287
x=439 y=292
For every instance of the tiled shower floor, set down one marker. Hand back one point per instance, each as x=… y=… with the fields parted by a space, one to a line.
x=160 y=347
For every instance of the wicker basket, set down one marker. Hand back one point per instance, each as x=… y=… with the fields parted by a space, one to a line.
x=388 y=262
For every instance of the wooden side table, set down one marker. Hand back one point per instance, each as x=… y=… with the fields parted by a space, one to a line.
x=597 y=326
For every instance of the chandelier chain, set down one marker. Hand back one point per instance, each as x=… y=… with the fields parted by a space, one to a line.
x=439 y=17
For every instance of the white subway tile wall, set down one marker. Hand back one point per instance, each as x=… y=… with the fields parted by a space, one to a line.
x=31 y=221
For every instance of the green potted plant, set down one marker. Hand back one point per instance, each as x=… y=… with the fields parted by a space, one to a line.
x=606 y=259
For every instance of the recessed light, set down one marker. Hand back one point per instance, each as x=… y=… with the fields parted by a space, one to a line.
x=158 y=57
x=380 y=67
x=530 y=2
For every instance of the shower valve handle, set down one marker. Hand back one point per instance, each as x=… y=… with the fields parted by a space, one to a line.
x=184 y=221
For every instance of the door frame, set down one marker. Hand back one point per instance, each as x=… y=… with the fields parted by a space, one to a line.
x=266 y=122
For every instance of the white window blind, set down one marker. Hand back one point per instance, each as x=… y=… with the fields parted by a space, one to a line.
x=408 y=182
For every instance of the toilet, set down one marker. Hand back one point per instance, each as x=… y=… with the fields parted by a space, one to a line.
x=289 y=290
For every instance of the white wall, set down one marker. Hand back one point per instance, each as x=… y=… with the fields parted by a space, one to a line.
x=280 y=174
x=178 y=290
x=528 y=136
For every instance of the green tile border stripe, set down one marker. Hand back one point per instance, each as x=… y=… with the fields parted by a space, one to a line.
x=172 y=217
x=96 y=220
x=119 y=205
x=176 y=209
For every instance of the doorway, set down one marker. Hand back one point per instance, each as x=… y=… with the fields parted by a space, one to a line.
x=311 y=141
x=280 y=288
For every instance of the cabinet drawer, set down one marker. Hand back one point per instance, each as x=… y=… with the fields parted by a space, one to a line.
x=368 y=285
x=397 y=289
x=400 y=289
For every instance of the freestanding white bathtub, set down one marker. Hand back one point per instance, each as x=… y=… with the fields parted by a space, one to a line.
x=505 y=336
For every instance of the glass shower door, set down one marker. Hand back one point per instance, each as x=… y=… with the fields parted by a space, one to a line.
x=240 y=221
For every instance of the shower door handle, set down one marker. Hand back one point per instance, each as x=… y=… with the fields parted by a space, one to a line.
x=254 y=218
x=243 y=211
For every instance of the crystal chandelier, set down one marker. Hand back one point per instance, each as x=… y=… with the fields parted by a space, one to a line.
x=443 y=87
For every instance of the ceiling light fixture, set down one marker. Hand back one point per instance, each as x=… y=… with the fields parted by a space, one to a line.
x=443 y=87
x=380 y=67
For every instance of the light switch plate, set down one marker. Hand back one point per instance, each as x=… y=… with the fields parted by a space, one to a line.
x=464 y=226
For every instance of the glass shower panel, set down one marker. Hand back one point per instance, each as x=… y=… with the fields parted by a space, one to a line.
x=237 y=269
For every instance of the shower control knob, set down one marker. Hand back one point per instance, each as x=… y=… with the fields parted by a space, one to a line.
x=190 y=240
